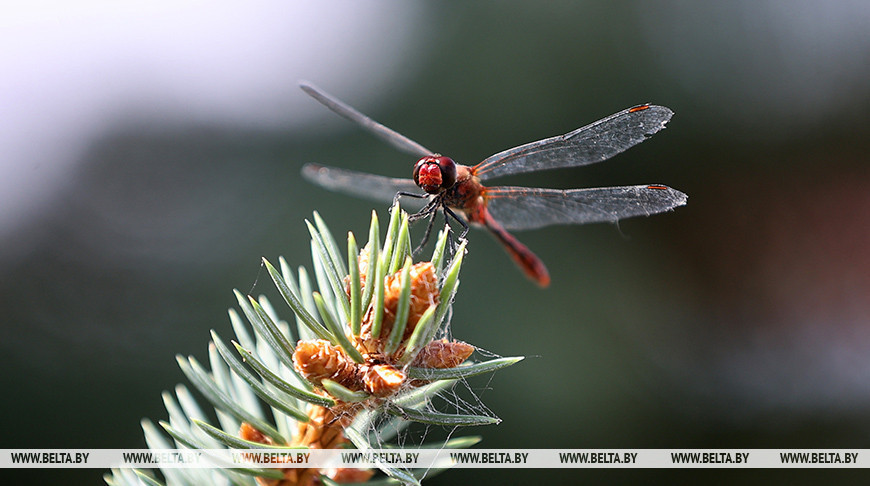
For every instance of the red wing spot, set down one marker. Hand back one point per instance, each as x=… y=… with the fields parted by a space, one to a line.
x=661 y=188
x=638 y=108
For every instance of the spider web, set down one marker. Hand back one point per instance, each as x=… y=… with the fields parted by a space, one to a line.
x=458 y=397
x=381 y=430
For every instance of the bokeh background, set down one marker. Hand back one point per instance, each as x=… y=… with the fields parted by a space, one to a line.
x=151 y=155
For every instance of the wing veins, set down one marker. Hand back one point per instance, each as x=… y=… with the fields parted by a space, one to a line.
x=383 y=132
x=590 y=144
x=520 y=208
x=360 y=184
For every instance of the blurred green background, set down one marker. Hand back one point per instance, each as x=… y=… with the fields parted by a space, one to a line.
x=152 y=157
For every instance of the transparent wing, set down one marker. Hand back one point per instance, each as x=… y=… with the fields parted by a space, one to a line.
x=588 y=145
x=521 y=208
x=361 y=184
x=392 y=137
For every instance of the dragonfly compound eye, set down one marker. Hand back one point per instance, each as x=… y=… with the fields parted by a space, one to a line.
x=433 y=173
x=448 y=171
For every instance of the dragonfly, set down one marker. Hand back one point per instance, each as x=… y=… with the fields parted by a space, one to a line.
x=458 y=190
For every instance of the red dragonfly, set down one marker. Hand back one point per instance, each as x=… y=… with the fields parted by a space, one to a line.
x=455 y=188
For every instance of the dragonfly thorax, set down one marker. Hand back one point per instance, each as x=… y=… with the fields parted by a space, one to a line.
x=434 y=173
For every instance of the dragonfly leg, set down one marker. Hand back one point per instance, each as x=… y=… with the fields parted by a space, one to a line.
x=453 y=215
x=432 y=216
x=408 y=194
x=460 y=220
x=428 y=209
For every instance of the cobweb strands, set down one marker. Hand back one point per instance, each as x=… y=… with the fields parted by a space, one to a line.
x=369 y=353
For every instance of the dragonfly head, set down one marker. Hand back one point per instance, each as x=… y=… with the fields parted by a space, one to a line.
x=434 y=173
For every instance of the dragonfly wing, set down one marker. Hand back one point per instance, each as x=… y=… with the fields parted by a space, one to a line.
x=390 y=136
x=361 y=184
x=593 y=143
x=520 y=208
